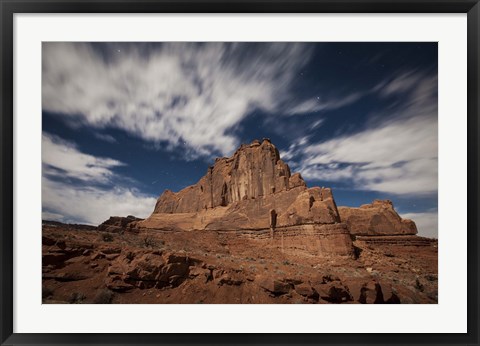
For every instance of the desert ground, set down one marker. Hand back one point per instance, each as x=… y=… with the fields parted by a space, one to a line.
x=84 y=265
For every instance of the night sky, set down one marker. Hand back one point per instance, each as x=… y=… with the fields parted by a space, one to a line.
x=122 y=122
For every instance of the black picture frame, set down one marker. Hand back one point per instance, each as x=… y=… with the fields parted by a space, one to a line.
x=9 y=7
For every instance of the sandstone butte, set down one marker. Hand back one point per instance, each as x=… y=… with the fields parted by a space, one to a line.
x=254 y=194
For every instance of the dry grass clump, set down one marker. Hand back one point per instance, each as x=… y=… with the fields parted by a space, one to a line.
x=76 y=298
x=103 y=296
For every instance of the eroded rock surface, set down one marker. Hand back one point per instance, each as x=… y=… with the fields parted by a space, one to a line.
x=377 y=218
x=116 y=224
x=81 y=266
x=254 y=190
x=240 y=192
x=254 y=171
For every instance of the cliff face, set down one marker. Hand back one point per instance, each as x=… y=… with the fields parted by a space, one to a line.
x=244 y=192
x=254 y=190
x=377 y=218
x=254 y=171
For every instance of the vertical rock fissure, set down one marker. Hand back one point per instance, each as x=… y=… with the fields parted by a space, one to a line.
x=224 y=198
x=210 y=171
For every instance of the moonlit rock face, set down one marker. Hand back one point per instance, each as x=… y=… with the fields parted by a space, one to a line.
x=254 y=171
x=377 y=218
x=242 y=192
x=254 y=191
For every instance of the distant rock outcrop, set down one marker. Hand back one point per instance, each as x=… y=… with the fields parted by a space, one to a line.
x=253 y=190
x=76 y=226
x=377 y=218
x=118 y=224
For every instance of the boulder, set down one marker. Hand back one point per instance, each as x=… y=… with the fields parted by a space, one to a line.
x=147 y=269
x=334 y=293
x=274 y=286
x=307 y=291
x=231 y=279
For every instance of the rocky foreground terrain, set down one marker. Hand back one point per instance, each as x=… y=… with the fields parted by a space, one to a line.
x=248 y=232
x=90 y=266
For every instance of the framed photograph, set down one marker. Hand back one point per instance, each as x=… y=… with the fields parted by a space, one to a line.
x=239 y=172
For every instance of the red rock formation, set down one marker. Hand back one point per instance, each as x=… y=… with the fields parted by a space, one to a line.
x=254 y=171
x=377 y=218
x=118 y=224
x=252 y=190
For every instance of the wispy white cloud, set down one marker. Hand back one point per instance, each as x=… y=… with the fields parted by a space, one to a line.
x=90 y=205
x=403 y=82
x=182 y=93
x=316 y=124
x=86 y=202
x=417 y=84
x=105 y=137
x=397 y=153
x=294 y=148
x=427 y=223
x=62 y=158
x=320 y=103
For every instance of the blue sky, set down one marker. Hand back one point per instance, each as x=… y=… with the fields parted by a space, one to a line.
x=122 y=122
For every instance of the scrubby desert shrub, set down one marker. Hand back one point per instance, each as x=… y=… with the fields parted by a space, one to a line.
x=103 y=296
x=107 y=237
x=418 y=285
x=148 y=241
x=130 y=255
x=76 y=298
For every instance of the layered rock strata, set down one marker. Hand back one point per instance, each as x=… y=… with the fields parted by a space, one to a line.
x=254 y=190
